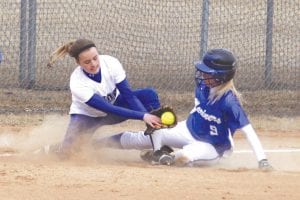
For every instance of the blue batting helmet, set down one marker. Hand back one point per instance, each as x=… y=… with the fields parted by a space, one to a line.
x=220 y=64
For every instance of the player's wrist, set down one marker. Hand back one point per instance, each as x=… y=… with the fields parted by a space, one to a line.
x=145 y=116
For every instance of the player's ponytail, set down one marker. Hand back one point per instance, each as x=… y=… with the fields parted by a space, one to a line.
x=73 y=48
x=59 y=53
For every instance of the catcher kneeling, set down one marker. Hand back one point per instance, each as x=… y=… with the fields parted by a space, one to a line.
x=207 y=134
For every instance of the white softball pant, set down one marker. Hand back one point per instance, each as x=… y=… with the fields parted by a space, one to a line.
x=191 y=151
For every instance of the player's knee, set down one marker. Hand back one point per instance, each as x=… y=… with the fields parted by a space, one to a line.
x=181 y=158
x=152 y=93
x=204 y=162
x=149 y=98
x=188 y=161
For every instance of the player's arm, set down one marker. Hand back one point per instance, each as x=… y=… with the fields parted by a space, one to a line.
x=118 y=74
x=133 y=102
x=239 y=119
x=98 y=102
x=256 y=146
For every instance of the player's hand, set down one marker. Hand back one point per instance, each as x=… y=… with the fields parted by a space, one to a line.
x=170 y=119
x=152 y=120
x=264 y=165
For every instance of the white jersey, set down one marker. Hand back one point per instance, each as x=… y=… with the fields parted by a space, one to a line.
x=83 y=88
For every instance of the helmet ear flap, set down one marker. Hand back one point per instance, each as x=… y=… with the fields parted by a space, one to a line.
x=227 y=76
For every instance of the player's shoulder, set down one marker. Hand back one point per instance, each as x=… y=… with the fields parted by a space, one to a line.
x=108 y=58
x=77 y=71
x=111 y=63
x=230 y=98
x=77 y=76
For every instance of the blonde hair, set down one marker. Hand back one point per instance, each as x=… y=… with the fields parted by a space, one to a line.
x=217 y=92
x=73 y=48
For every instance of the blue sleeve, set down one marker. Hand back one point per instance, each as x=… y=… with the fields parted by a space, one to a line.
x=236 y=114
x=133 y=102
x=96 y=101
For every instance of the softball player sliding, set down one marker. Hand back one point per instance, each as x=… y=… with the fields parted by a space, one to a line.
x=206 y=135
x=101 y=94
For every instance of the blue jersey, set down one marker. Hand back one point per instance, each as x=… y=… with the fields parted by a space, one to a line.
x=213 y=123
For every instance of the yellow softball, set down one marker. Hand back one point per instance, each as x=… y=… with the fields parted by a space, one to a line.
x=167 y=118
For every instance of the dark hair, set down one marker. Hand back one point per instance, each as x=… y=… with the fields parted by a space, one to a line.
x=79 y=46
x=73 y=48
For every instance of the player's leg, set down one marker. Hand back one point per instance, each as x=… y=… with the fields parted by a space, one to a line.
x=197 y=154
x=139 y=141
x=191 y=151
x=164 y=140
x=79 y=132
x=148 y=97
x=175 y=137
x=124 y=140
x=78 y=125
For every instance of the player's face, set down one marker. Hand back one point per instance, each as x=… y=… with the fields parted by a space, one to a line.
x=89 y=60
x=207 y=78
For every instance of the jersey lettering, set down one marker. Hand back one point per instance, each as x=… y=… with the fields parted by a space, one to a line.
x=111 y=96
x=207 y=116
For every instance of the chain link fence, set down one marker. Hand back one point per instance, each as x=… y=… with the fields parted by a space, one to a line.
x=157 y=42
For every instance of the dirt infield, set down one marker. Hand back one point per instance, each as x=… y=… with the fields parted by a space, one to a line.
x=117 y=174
